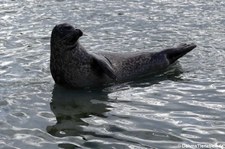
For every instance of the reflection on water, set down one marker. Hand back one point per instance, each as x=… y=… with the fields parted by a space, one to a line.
x=71 y=106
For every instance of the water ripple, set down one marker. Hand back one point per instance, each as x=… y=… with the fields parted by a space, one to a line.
x=184 y=105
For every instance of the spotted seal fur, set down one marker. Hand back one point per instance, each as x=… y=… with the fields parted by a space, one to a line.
x=73 y=66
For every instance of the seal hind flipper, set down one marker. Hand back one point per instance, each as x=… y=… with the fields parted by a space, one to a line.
x=174 y=54
x=102 y=65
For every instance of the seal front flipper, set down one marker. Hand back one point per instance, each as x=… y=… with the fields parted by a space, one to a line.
x=102 y=65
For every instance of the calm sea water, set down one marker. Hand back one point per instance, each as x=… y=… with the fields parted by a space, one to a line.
x=184 y=107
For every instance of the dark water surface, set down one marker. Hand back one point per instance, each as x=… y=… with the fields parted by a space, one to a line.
x=185 y=106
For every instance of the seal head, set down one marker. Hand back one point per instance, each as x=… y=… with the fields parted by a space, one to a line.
x=65 y=35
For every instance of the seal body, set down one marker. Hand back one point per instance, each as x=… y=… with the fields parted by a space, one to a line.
x=72 y=66
x=76 y=68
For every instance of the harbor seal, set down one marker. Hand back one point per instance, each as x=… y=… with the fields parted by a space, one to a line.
x=73 y=66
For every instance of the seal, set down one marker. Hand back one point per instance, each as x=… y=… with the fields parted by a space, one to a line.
x=73 y=66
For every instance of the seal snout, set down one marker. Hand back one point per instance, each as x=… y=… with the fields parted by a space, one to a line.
x=65 y=34
x=79 y=32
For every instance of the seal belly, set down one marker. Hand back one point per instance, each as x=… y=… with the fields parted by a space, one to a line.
x=132 y=65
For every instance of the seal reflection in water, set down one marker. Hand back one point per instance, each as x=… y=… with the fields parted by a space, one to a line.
x=72 y=66
x=71 y=108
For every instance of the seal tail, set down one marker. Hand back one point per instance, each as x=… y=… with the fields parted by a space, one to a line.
x=174 y=54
